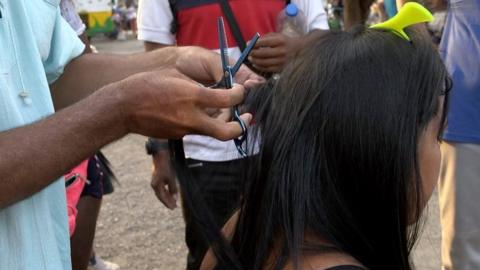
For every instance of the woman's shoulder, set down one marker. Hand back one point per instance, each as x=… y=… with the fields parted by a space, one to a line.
x=331 y=261
x=346 y=267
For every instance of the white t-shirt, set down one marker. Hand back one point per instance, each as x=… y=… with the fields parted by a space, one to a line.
x=154 y=22
x=69 y=13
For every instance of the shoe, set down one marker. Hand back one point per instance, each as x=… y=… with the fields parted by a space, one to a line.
x=122 y=35
x=97 y=263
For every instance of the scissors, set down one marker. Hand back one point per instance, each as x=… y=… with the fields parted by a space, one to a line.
x=228 y=75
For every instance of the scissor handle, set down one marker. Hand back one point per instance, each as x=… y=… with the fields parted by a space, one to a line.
x=243 y=138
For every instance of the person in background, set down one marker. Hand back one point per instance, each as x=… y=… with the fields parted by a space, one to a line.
x=216 y=166
x=120 y=28
x=435 y=27
x=460 y=176
x=69 y=13
x=377 y=14
x=131 y=16
x=57 y=111
x=99 y=180
x=124 y=16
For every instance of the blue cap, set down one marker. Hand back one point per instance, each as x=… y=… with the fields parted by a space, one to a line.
x=291 y=10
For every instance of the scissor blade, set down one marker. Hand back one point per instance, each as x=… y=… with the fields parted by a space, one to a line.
x=245 y=53
x=222 y=37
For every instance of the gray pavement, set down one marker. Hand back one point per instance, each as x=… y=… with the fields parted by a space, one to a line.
x=137 y=232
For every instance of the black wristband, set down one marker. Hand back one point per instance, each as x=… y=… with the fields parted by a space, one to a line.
x=152 y=146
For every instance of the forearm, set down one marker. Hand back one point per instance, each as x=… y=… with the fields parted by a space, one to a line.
x=90 y=72
x=33 y=156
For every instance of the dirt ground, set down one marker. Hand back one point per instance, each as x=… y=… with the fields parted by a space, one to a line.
x=137 y=232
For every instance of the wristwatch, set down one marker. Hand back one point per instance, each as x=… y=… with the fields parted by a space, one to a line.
x=152 y=146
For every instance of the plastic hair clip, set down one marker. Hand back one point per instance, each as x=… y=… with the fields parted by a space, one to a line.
x=411 y=13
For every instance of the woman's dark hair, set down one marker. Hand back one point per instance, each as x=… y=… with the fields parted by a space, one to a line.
x=338 y=156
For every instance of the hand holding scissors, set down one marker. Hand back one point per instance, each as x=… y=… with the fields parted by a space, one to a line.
x=228 y=75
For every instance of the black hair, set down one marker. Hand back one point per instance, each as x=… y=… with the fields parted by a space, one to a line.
x=338 y=152
x=337 y=155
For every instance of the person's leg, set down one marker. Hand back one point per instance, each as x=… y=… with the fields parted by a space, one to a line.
x=82 y=240
x=459 y=190
x=133 y=26
x=193 y=239
x=220 y=184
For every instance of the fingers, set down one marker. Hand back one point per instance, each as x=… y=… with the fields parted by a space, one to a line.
x=244 y=74
x=268 y=62
x=221 y=98
x=221 y=130
x=224 y=115
x=165 y=196
x=173 y=189
x=169 y=72
x=271 y=69
x=163 y=176
x=268 y=52
x=250 y=84
x=200 y=64
x=270 y=40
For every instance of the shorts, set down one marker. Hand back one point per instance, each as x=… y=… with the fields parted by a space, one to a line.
x=99 y=178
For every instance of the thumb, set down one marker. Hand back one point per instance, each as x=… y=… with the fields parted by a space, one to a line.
x=221 y=98
x=224 y=131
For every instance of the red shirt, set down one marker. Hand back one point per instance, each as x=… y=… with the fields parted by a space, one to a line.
x=197 y=20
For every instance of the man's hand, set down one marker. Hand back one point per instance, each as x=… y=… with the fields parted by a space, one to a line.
x=273 y=51
x=163 y=180
x=167 y=104
x=206 y=67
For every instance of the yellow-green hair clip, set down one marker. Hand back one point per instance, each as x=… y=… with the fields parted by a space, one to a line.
x=411 y=13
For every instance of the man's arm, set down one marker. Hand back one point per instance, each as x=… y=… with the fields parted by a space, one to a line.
x=148 y=103
x=35 y=155
x=90 y=72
